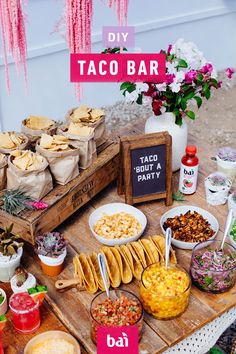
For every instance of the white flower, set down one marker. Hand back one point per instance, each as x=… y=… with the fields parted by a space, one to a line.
x=214 y=73
x=179 y=76
x=131 y=96
x=161 y=87
x=141 y=87
x=175 y=86
x=163 y=109
x=171 y=67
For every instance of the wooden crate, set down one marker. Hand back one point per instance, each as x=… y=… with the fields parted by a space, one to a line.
x=63 y=201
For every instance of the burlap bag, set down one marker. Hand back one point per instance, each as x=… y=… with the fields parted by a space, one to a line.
x=34 y=135
x=99 y=127
x=3 y=175
x=23 y=146
x=64 y=165
x=36 y=184
x=85 y=144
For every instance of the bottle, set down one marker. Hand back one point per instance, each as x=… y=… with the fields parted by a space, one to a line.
x=189 y=171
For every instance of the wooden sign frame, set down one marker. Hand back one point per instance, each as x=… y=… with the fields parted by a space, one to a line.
x=129 y=143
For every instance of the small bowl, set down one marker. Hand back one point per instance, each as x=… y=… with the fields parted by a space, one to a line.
x=214 y=281
x=3 y=305
x=114 y=294
x=111 y=209
x=182 y=210
x=51 y=335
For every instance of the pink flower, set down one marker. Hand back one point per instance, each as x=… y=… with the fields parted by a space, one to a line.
x=229 y=72
x=207 y=69
x=38 y=205
x=170 y=78
x=219 y=85
x=190 y=76
x=169 y=49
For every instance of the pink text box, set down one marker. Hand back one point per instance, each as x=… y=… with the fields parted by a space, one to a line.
x=118 y=67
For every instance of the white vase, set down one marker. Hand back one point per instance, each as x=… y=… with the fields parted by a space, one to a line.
x=166 y=122
x=9 y=264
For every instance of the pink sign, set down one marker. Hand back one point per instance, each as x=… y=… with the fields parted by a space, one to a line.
x=118 y=340
x=117 y=67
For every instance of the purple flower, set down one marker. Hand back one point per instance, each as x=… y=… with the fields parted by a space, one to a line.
x=207 y=69
x=190 y=76
x=229 y=72
x=169 y=49
x=170 y=78
x=219 y=85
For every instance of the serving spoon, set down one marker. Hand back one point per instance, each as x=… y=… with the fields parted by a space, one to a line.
x=102 y=267
x=168 y=235
x=226 y=230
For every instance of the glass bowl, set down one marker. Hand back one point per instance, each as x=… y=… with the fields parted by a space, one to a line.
x=213 y=272
x=165 y=293
x=107 y=321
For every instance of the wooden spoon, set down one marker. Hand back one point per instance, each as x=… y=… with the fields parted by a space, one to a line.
x=65 y=283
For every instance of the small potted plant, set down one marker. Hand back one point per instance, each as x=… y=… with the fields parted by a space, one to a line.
x=51 y=249
x=3 y=302
x=217 y=187
x=11 y=251
x=226 y=161
x=22 y=281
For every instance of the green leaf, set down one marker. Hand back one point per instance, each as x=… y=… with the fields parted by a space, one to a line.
x=185 y=87
x=191 y=114
x=214 y=82
x=207 y=94
x=198 y=100
x=126 y=85
x=3 y=318
x=178 y=196
x=169 y=94
x=208 y=280
x=1 y=299
x=199 y=77
x=189 y=96
x=215 y=350
x=178 y=100
x=205 y=87
x=182 y=63
x=183 y=104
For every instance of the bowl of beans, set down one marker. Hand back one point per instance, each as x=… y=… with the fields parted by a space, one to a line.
x=165 y=292
x=122 y=308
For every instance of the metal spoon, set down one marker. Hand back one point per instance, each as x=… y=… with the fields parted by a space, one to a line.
x=227 y=227
x=168 y=235
x=102 y=267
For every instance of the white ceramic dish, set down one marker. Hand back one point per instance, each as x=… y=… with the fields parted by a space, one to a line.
x=111 y=209
x=51 y=335
x=182 y=210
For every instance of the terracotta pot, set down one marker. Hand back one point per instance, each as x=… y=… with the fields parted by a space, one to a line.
x=52 y=266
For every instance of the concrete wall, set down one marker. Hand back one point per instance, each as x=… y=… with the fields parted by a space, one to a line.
x=211 y=24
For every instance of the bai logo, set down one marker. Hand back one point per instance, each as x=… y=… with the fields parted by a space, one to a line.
x=117 y=340
x=120 y=343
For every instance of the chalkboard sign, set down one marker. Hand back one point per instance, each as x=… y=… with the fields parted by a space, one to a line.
x=146 y=168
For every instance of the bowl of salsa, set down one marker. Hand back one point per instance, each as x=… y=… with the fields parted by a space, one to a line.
x=212 y=269
x=122 y=308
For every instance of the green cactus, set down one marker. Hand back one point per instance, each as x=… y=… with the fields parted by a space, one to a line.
x=9 y=243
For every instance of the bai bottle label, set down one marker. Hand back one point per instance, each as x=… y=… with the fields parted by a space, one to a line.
x=188 y=179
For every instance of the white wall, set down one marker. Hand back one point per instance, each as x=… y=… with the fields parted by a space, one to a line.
x=211 y=24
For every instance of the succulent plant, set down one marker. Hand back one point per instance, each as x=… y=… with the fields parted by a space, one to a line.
x=50 y=244
x=9 y=243
x=218 y=180
x=227 y=154
x=21 y=276
x=14 y=201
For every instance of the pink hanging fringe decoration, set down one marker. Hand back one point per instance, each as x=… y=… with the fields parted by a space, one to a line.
x=12 y=23
x=121 y=7
x=79 y=15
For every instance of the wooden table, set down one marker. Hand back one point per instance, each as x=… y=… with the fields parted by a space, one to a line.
x=72 y=306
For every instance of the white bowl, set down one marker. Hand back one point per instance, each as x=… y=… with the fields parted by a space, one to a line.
x=182 y=210
x=51 y=335
x=114 y=208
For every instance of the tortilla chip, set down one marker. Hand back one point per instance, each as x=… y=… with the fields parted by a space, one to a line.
x=46 y=141
x=16 y=139
x=39 y=123
x=125 y=270
x=54 y=143
x=2 y=156
x=94 y=260
x=6 y=141
x=138 y=268
x=87 y=274
x=27 y=160
x=97 y=113
x=78 y=129
x=138 y=249
x=112 y=267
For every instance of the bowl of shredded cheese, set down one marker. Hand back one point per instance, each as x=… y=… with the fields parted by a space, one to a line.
x=52 y=342
x=117 y=224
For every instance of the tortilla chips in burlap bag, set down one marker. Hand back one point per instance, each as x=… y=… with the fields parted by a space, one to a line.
x=28 y=171
x=3 y=169
x=81 y=137
x=10 y=141
x=35 y=126
x=63 y=159
x=90 y=117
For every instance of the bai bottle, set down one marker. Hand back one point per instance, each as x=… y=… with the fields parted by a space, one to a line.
x=189 y=171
